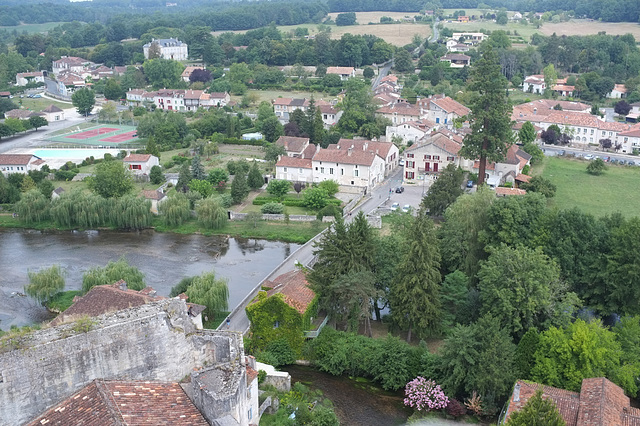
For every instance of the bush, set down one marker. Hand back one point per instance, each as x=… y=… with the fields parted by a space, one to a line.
x=455 y=408
x=596 y=167
x=156 y=176
x=423 y=394
x=281 y=352
x=272 y=208
x=330 y=210
x=65 y=175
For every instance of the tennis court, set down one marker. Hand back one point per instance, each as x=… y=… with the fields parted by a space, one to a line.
x=111 y=135
x=92 y=133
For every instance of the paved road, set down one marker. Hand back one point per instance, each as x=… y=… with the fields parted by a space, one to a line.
x=436 y=31
x=304 y=255
x=382 y=73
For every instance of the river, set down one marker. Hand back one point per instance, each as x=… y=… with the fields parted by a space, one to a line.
x=164 y=258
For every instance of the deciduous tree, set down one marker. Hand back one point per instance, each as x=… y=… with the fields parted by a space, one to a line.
x=111 y=179
x=45 y=284
x=83 y=100
x=444 y=191
x=278 y=188
x=537 y=411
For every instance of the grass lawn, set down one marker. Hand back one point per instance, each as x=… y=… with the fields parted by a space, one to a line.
x=39 y=104
x=526 y=31
x=616 y=190
x=33 y=28
x=290 y=209
x=270 y=95
x=517 y=96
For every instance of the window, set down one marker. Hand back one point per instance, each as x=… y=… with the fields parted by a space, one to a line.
x=437 y=120
x=276 y=324
x=250 y=413
x=330 y=170
x=285 y=170
x=299 y=170
x=341 y=172
x=411 y=164
x=584 y=130
x=321 y=169
x=356 y=173
x=136 y=167
x=409 y=155
x=427 y=157
x=436 y=157
x=592 y=131
x=409 y=175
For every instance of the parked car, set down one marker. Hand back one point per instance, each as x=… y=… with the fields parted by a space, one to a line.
x=36 y=96
x=469 y=184
x=588 y=157
x=401 y=162
x=395 y=206
x=406 y=208
x=622 y=162
x=400 y=190
x=631 y=163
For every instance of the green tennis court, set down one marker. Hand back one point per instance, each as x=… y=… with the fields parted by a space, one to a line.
x=111 y=135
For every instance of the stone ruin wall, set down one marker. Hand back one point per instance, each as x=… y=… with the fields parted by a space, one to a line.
x=157 y=341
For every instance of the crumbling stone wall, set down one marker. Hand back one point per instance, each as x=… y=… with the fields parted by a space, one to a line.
x=157 y=341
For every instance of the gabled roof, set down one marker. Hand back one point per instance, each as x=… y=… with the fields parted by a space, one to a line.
x=402 y=108
x=153 y=194
x=52 y=108
x=503 y=191
x=440 y=140
x=295 y=162
x=292 y=143
x=455 y=57
x=346 y=155
x=116 y=402
x=137 y=158
x=340 y=70
x=380 y=148
x=193 y=94
x=450 y=105
x=620 y=88
x=294 y=287
x=634 y=133
x=15 y=159
x=20 y=113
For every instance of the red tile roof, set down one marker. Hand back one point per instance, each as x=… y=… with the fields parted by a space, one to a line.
x=380 y=148
x=450 y=105
x=137 y=158
x=401 y=108
x=345 y=155
x=340 y=70
x=102 y=299
x=294 y=287
x=295 y=162
x=123 y=402
x=502 y=191
x=292 y=143
x=153 y=194
x=15 y=159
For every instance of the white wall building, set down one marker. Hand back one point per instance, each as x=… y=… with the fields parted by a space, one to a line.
x=19 y=163
x=141 y=164
x=24 y=78
x=170 y=48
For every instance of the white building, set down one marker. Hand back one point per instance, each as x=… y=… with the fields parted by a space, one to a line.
x=411 y=131
x=70 y=63
x=294 y=169
x=433 y=154
x=442 y=109
x=170 y=48
x=348 y=166
x=141 y=164
x=330 y=115
x=24 y=78
x=345 y=73
x=619 y=91
x=53 y=113
x=630 y=140
x=469 y=38
x=19 y=163
x=534 y=84
x=387 y=150
x=508 y=170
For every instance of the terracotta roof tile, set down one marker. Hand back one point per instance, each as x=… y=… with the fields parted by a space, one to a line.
x=15 y=159
x=137 y=158
x=153 y=194
x=340 y=70
x=292 y=143
x=380 y=148
x=450 y=105
x=503 y=191
x=123 y=402
x=402 y=108
x=345 y=155
x=294 y=287
x=295 y=162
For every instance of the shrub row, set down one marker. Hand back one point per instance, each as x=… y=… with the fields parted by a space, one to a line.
x=236 y=141
x=292 y=202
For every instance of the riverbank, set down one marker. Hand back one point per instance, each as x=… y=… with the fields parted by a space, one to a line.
x=292 y=232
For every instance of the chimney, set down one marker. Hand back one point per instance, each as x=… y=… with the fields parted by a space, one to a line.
x=349 y=151
x=365 y=146
x=122 y=285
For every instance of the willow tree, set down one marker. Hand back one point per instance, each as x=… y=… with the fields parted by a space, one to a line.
x=131 y=212
x=33 y=207
x=415 y=300
x=211 y=213
x=45 y=284
x=76 y=208
x=112 y=273
x=210 y=291
x=491 y=134
x=175 y=210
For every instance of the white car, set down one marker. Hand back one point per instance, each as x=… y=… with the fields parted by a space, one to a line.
x=406 y=208
x=395 y=206
x=588 y=157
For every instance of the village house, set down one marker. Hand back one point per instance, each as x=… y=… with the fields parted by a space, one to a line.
x=283 y=107
x=399 y=112
x=24 y=78
x=619 y=91
x=345 y=73
x=294 y=169
x=348 y=166
x=69 y=81
x=53 y=113
x=457 y=60
x=388 y=98
x=503 y=191
x=156 y=197
x=508 y=170
x=170 y=48
x=192 y=99
x=410 y=131
x=469 y=38
x=186 y=74
x=599 y=402
x=456 y=46
x=141 y=164
x=56 y=193
x=563 y=89
x=22 y=114
x=442 y=109
x=214 y=99
x=387 y=150
x=169 y=100
x=534 y=84
x=330 y=115
x=293 y=146
x=70 y=63
x=19 y=163
x=432 y=154
x=291 y=306
x=462 y=18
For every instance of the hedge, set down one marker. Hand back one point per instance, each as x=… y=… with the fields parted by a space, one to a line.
x=236 y=141
x=292 y=202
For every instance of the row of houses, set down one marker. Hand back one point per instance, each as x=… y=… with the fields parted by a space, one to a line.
x=350 y=162
x=177 y=99
x=284 y=107
x=575 y=120
x=535 y=84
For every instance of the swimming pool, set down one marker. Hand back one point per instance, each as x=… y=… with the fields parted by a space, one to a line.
x=74 y=154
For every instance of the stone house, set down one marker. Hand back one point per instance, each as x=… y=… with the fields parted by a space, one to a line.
x=70 y=63
x=432 y=154
x=294 y=146
x=53 y=113
x=330 y=115
x=24 y=78
x=442 y=109
x=457 y=60
x=349 y=166
x=284 y=311
x=399 y=112
x=186 y=74
x=156 y=197
x=387 y=150
x=294 y=169
x=508 y=170
x=411 y=131
x=619 y=91
x=141 y=164
x=599 y=402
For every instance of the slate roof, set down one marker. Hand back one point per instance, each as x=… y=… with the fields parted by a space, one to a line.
x=137 y=158
x=116 y=402
x=294 y=287
x=15 y=159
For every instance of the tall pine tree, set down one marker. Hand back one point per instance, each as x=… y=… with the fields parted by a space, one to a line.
x=491 y=134
x=255 y=178
x=415 y=300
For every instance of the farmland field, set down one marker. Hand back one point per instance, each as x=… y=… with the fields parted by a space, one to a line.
x=475 y=26
x=613 y=191
x=582 y=27
x=33 y=28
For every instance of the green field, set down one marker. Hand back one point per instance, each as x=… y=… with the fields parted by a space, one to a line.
x=616 y=190
x=525 y=31
x=33 y=28
x=39 y=104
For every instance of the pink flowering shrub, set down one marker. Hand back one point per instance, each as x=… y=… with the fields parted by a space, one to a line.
x=423 y=394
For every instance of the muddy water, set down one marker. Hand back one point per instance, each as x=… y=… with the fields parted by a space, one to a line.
x=356 y=403
x=164 y=259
